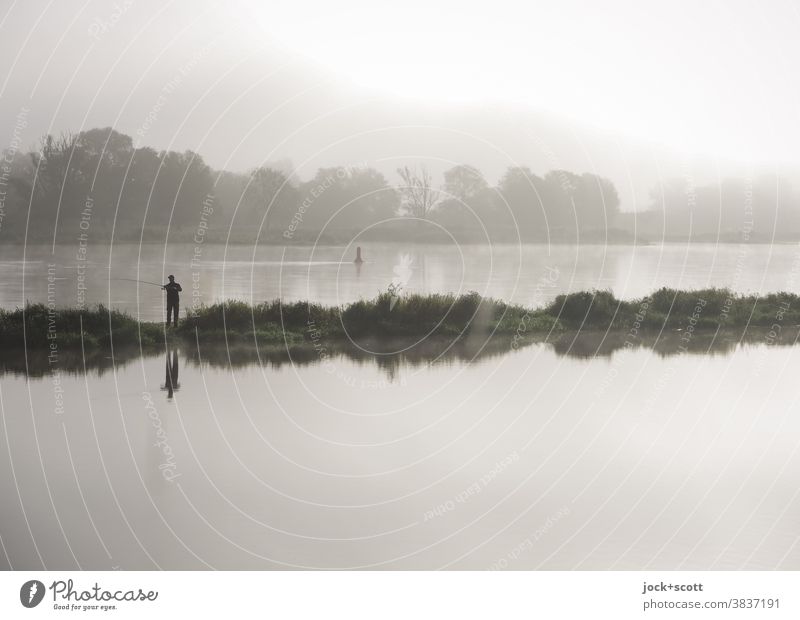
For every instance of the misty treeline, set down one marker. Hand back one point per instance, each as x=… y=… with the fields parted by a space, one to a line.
x=761 y=208
x=96 y=181
x=97 y=184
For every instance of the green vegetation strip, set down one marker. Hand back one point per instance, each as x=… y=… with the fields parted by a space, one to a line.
x=410 y=316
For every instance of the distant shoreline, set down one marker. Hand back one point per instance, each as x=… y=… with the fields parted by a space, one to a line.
x=338 y=243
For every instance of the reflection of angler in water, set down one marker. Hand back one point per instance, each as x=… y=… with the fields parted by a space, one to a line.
x=171 y=384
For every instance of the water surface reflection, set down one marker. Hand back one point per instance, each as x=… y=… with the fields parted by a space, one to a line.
x=580 y=452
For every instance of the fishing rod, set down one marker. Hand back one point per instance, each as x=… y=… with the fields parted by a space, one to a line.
x=142 y=281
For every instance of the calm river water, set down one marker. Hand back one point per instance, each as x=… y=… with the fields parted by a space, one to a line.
x=517 y=459
x=209 y=273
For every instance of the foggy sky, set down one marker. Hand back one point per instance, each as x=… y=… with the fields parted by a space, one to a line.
x=632 y=92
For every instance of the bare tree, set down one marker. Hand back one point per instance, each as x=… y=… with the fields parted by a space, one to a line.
x=418 y=194
x=54 y=162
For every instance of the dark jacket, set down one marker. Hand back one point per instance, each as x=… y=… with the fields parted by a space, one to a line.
x=173 y=288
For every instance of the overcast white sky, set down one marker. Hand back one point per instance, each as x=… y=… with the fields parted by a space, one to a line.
x=708 y=76
x=630 y=89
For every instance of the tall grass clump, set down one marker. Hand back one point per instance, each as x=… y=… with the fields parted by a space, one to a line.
x=36 y=325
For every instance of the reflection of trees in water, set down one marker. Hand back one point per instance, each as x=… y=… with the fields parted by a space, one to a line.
x=35 y=362
x=388 y=356
x=582 y=345
x=600 y=344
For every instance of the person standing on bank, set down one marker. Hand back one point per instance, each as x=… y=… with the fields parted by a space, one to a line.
x=173 y=299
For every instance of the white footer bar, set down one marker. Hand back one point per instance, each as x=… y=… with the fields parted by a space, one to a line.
x=400 y=595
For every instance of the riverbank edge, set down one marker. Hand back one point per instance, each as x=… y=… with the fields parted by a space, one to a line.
x=409 y=317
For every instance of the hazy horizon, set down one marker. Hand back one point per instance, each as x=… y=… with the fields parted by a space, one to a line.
x=228 y=85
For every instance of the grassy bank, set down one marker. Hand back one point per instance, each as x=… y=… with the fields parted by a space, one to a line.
x=386 y=319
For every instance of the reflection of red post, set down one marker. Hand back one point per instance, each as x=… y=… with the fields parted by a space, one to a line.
x=358 y=256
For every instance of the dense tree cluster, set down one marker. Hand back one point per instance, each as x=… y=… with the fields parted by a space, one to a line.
x=100 y=178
